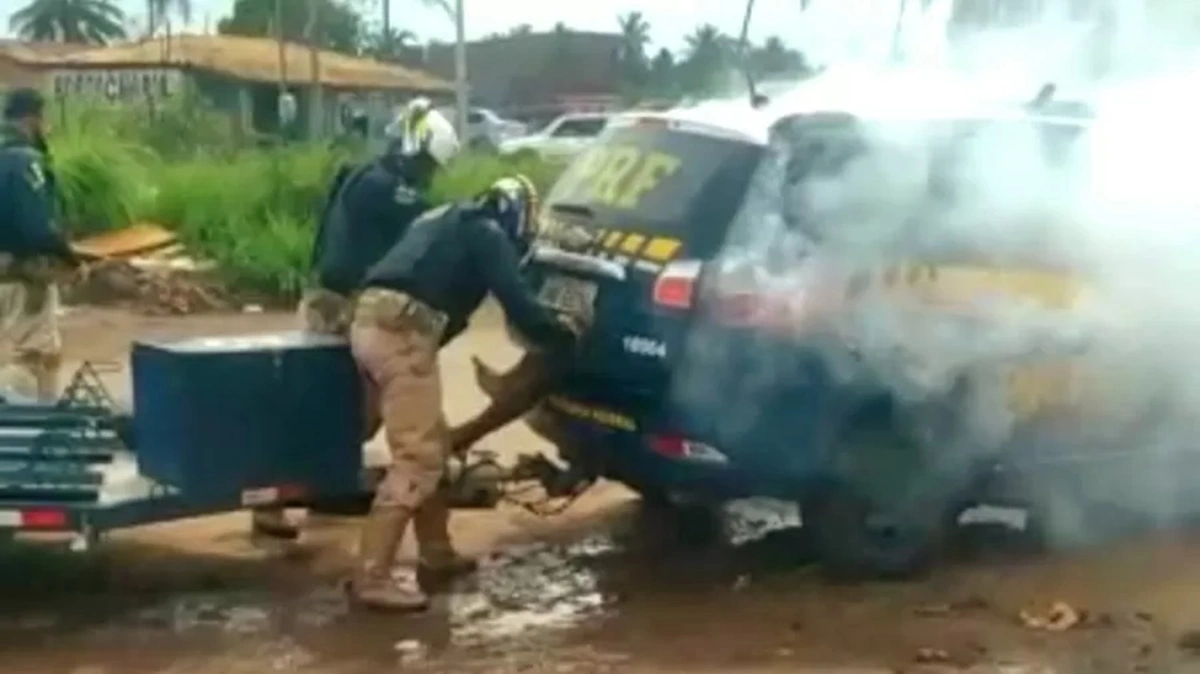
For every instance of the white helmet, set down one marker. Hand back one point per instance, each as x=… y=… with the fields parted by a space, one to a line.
x=419 y=127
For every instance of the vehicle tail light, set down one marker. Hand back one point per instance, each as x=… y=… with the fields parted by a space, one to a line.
x=783 y=308
x=43 y=518
x=675 y=287
x=681 y=448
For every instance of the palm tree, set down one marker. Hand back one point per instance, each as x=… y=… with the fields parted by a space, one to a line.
x=707 y=44
x=631 y=56
x=708 y=53
x=635 y=34
x=87 y=21
x=157 y=11
x=391 y=46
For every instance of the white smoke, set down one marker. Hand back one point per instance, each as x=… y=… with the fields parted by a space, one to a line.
x=1118 y=211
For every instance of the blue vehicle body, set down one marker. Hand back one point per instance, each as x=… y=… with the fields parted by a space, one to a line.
x=669 y=395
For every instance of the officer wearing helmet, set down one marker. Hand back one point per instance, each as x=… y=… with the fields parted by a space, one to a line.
x=415 y=300
x=367 y=209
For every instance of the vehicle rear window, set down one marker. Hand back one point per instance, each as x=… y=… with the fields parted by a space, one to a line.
x=659 y=180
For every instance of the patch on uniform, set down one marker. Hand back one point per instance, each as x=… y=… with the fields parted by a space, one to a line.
x=36 y=175
x=405 y=194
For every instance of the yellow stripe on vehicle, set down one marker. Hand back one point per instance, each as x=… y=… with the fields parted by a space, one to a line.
x=613 y=239
x=633 y=243
x=661 y=249
x=591 y=413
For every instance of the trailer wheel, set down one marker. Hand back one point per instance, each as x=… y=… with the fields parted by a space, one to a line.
x=885 y=514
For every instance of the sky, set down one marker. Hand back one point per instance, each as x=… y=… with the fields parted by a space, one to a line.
x=670 y=20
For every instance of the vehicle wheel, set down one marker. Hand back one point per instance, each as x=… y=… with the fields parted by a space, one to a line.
x=886 y=513
x=690 y=524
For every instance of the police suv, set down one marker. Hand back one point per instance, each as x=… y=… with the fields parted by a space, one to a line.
x=690 y=386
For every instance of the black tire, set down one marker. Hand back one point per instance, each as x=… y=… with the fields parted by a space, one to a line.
x=886 y=514
x=692 y=525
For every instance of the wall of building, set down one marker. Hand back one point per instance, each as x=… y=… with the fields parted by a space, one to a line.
x=16 y=74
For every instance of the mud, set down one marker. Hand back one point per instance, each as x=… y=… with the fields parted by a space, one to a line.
x=604 y=587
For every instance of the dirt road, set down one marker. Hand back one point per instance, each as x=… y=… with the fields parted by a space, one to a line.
x=592 y=590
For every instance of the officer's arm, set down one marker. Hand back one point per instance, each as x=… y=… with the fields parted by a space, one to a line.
x=33 y=211
x=497 y=260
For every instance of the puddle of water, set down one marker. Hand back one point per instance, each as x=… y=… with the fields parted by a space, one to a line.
x=534 y=589
x=749 y=520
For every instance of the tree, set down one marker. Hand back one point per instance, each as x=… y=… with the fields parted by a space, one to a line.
x=775 y=58
x=662 y=73
x=520 y=30
x=635 y=35
x=84 y=21
x=158 y=11
x=393 y=45
x=708 y=54
x=340 y=27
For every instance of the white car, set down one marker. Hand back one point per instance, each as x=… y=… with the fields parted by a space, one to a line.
x=486 y=129
x=562 y=138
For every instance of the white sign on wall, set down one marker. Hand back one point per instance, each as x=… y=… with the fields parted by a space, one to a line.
x=118 y=84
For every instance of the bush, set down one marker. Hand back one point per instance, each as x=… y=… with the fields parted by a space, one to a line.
x=472 y=173
x=252 y=211
x=102 y=182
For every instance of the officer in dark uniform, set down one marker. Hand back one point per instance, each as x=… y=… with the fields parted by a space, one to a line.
x=416 y=299
x=368 y=208
x=33 y=253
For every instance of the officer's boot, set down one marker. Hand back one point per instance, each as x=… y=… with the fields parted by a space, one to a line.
x=373 y=586
x=440 y=562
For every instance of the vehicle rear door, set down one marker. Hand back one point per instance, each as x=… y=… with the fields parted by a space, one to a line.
x=624 y=232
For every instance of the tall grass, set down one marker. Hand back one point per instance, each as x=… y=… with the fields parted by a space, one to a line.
x=253 y=211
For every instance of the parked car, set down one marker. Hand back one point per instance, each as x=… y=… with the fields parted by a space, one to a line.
x=693 y=391
x=486 y=129
x=561 y=139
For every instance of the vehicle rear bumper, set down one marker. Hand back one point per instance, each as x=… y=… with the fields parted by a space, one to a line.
x=614 y=445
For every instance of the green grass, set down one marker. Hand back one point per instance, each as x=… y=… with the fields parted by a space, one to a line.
x=252 y=211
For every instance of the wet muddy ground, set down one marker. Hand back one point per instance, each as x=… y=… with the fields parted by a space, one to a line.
x=603 y=587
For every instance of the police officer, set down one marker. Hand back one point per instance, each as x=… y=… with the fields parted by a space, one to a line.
x=368 y=208
x=416 y=299
x=33 y=253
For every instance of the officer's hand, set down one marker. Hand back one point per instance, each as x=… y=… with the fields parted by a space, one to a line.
x=577 y=324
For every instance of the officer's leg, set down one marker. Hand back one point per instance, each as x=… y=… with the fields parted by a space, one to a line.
x=15 y=379
x=404 y=366
x=39 y=343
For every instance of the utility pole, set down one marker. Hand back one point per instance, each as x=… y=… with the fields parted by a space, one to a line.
x=316 y=100
x=387 y=23
x=282 y=47
x=460 y=70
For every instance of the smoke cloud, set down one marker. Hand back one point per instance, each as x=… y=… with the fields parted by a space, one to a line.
x=919 y=250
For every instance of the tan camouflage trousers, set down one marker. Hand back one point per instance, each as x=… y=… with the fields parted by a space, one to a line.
x=398 y=358
x=30 y=342
x=395 y=341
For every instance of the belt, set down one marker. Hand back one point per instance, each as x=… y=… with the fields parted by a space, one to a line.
x=395 y=310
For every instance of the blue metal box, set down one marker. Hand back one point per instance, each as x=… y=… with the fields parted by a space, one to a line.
x=225 y=415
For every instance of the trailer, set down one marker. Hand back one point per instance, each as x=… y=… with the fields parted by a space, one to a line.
x=218 y=424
